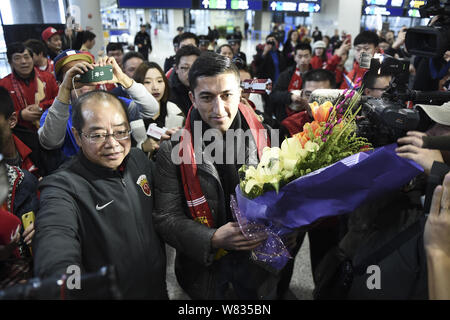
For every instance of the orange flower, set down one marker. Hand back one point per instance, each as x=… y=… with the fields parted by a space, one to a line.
x=321 y=113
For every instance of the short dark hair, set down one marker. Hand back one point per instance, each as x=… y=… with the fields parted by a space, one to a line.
x=37 y=46
x=185 y=51
x=369 y=37
x=224 y=45
x=88 y=35
x=319 y=75
x=131 y=54
x=141 y=71
x=6 y=104
x=210 y=64
x=113 y=46
x=188 y=35
x=77 y=115
x=370 y=77
x=303 y=46
x=16 y=47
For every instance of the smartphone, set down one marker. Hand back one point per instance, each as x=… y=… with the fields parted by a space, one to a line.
x=97 y=74
x=27 y=219
x=349 y=38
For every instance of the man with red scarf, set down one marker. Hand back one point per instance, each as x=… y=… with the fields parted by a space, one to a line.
x=194 y=184
x=32 y=90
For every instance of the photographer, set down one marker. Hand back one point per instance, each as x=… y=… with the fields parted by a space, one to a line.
x=269 y=60
x=429 y=71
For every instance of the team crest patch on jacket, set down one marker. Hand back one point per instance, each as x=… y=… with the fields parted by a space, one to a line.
x=143 y=183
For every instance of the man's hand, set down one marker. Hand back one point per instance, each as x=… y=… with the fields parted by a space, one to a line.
x=413 y=137
x=169 y=133
x=31 y=113
x=230 y=237
x=413 y=151
x=28 y=234
x=118 y=75
x=437 y=228
x=78 y=69
x=401 y=37
x=344 y=48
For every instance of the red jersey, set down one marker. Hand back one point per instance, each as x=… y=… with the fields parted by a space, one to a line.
x=42 y=90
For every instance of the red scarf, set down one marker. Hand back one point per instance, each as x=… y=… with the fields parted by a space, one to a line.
x=296 y=81
x=195 y=198
x=18 y=90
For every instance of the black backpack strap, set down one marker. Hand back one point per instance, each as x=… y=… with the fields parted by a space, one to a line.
x=390 y=247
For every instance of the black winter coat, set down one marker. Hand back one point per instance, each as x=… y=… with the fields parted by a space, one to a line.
x=91 y=216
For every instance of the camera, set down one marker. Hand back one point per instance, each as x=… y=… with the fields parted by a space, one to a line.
x=270 y=42
x=386 y=119
x=431 y=41
x=97 y=285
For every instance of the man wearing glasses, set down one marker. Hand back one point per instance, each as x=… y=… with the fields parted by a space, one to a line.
x=375 y=84
x=97 y=209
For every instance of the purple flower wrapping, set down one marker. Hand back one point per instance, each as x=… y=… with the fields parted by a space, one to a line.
x=334 y=190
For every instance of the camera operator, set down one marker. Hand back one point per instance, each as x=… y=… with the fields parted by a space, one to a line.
x=375 y=84
x=429 y=71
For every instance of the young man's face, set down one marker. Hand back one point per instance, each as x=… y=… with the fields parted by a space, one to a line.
x=364 y=47
x=236 y=47
x=131 y=65
x=103 y=117
x=182 y=69
x=22 y=63
x=117 y=54
x=54 y=43
x=302 y=59
x=188 y=42
x=217 y=99
x=310 y=86
x=380 y=86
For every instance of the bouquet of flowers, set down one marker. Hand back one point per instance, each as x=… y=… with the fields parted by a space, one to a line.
x=323 y=171
x=328 y=139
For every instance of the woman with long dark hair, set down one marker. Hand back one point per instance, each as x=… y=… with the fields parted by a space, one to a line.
x=289 y=46
x=170 y=116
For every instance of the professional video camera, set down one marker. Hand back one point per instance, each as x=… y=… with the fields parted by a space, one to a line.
x=431 y=41
x=387 y=118
x=99 y=285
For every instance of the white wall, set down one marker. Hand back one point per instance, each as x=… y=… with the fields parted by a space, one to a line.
x=338 y=14
x=89 y=15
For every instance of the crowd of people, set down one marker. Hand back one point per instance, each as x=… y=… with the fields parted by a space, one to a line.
x=107 y=192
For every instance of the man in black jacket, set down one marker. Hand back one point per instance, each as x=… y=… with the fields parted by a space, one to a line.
x=286 y=92
x=178 y=81
x=96 y=210
x=143 y=42
x=193 y=211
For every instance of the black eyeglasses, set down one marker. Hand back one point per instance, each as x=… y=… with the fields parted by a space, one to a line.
x=98 y=138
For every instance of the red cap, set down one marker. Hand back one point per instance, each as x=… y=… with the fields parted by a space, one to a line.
x=49 y=32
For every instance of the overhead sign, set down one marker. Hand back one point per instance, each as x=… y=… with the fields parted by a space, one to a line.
x=385 y=3
x=291 y=6
x=417 y=4
x=231 y=4
x=384 y=11
x=157 y=4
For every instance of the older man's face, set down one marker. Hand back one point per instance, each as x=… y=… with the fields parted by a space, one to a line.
x=22 y=63
x=104 y=117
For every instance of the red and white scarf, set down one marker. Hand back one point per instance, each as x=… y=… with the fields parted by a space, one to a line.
x=195 y=198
